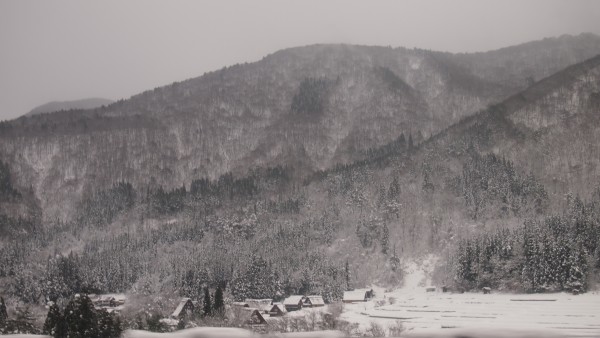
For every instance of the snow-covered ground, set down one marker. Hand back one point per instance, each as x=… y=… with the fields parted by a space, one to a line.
x=427 y=312
x=198 y=332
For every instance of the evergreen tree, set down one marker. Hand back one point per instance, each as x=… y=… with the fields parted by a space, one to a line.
x=54 y=319
x=385 y=239
x=427 y=186
x=80 y=318
x=256 y=282
x=394 y=261
x=394 y=189
x=3 y=313
x=219 y=306
x=109 y=325
x=207 y=307
x=347 y=275
x=276 y=287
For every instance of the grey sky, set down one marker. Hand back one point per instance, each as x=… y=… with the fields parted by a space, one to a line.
x=66 y=50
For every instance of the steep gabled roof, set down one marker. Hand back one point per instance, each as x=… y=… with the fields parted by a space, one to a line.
x=261 y=304
x=315 y=300
x=279 y=306
x=355 y=295
x=180 y=307
x=253 y=316
x=293 y=300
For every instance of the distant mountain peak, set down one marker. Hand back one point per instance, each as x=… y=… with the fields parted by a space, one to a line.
x=89 y=103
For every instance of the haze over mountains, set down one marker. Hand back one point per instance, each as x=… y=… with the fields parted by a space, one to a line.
x=308 y=108
x=311 y=163
x=53 y=106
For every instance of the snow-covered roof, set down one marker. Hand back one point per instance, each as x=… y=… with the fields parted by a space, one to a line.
x=293 y=300
x=253 y=316
x=316 y=300
x=355 y=295
x=279 y=306
x=180 y=307
x=116 y=296
x=261 y=304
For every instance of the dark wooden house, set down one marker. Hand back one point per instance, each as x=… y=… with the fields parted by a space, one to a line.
x=277 y=310
x=253 y=318
x=184 y=308
x=293 y=303
x=313 y=301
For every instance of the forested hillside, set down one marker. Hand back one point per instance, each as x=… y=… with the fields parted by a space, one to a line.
x=332 y=192
x=309 y=108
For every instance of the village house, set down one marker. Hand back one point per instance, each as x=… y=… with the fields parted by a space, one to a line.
x=263 y=305
x=293 y=303
x=277 y=310
x=253 y=318
x=358 y=295
x=106 y=301
x=313 y=301
x=184 y=308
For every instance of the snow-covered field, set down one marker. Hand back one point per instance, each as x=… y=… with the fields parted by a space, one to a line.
x=199 y=332
x=426 y=312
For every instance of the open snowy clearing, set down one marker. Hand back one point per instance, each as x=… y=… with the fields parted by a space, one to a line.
x=198 y=332
x=568 y=315
x=427 y=312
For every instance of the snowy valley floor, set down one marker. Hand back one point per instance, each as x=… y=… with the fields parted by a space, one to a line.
x=424 y=312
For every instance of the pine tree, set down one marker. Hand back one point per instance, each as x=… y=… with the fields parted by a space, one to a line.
x=427 y=186
x=394 y=189
x=207 y=307
x=80 y=318
x=3 y=313
x=276 y=286
x=394 y=260
x=109 y=325
x=385 y=239
x=53 y=320
x=219 y=306
x=347 y=275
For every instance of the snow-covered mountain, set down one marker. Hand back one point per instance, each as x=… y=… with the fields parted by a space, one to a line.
x=308 y=108
x=345 y=159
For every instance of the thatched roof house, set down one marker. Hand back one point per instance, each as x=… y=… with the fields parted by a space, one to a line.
x=293 y=303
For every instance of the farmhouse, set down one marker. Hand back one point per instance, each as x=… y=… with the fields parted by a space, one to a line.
x=277 y=310
x=185 y=308
x=107 y=301
x=313 y=301
x=253 y=317
x=263 y=305
x=293 y=303
x=358 y=295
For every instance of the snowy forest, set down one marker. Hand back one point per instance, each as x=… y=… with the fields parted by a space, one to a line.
x=505 y=193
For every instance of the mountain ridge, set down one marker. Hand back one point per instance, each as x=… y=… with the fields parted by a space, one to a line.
x=81 y=104
x=516 y=162
x=241 y=117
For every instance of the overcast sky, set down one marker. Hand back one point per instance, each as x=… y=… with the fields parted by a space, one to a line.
x=67 y=50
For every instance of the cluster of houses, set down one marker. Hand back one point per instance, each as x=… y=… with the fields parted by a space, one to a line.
x=110 y=303
x=254 y=311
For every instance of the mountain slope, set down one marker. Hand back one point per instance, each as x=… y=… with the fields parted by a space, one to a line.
x=310 y=107
x=551 y=130
x=347 y=226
